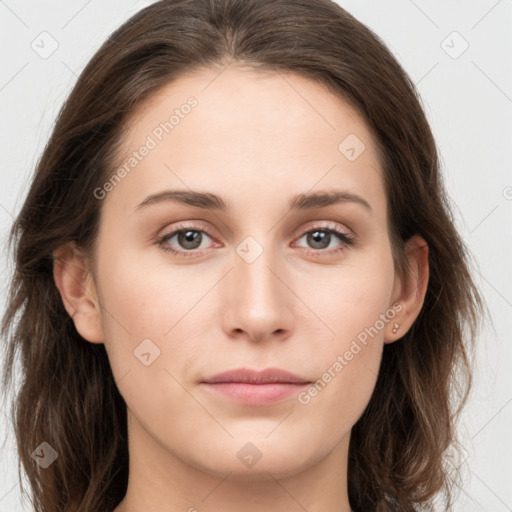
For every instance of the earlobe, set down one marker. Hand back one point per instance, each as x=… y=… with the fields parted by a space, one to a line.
x=410 y=289
x=76 y=287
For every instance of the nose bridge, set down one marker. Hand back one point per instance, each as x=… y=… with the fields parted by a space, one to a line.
x=258 y=304
x=255 y=267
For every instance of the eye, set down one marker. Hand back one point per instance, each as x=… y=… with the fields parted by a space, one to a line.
x=189 y=238
x=321 y=237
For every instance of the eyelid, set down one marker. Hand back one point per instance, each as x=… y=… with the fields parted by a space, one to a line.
x=311 y=226
x=181 y=226
x=163 y=238
x=321 y=225
x=346 y=236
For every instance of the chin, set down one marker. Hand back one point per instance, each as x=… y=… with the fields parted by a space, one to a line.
x=269 y=464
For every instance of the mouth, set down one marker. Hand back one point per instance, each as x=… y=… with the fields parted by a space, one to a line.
x=251 y=387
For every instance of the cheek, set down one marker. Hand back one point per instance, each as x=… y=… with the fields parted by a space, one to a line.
x=148 y=298
x=149 y=316
x=144 y=299
x=354 y=307
x=350 y=297
x=338 y=311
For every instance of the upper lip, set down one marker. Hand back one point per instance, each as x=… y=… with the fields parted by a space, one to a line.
x=246 y=375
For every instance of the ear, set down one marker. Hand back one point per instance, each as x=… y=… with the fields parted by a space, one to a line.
x=409 y=290
x=76 y=286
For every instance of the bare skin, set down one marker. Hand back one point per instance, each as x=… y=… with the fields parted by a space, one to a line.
x=255 y=139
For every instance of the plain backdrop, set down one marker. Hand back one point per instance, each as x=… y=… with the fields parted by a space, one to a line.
x=458 y=53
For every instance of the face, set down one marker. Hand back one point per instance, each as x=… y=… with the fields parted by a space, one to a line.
x=276 y=278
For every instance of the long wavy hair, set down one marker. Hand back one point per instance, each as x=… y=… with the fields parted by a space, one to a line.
x=65 y=393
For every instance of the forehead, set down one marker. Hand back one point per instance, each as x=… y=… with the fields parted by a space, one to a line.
x=254 y=132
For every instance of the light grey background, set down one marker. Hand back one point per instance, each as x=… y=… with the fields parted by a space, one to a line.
x=468 y=99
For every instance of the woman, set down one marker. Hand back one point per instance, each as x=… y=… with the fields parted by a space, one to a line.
x=238 y=282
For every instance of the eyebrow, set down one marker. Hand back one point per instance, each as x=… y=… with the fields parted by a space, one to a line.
x=210 y=201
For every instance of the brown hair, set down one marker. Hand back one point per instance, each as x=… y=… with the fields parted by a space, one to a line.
x=68 y=396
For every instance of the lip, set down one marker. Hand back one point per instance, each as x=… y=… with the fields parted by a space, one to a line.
x=248 y=376
x=252 y=387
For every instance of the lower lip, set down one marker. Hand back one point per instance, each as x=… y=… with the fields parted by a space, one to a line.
x=255 y=394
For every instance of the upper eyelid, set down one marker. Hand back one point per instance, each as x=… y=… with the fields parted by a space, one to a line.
x=311 y=225
x=321 y=225
x=300 y=232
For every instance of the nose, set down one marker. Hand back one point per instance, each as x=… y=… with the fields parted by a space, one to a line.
x=259 y=302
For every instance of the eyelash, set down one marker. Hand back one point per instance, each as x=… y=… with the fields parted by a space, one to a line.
x=346 y=238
